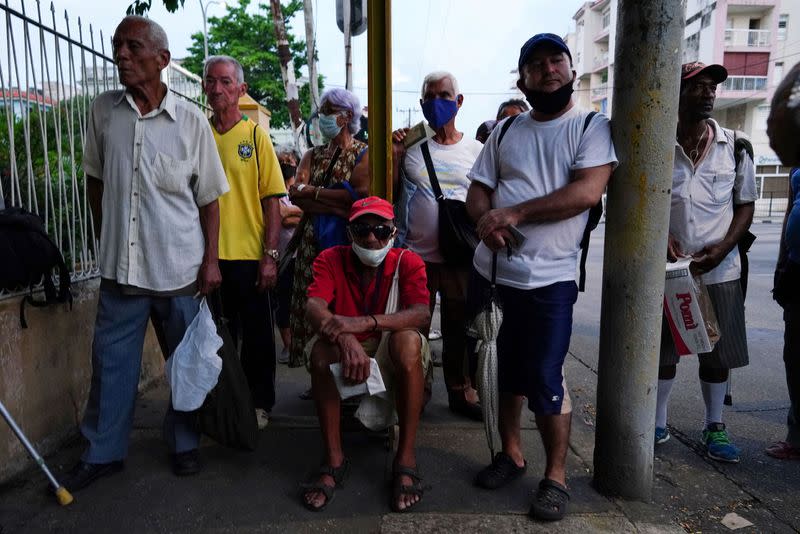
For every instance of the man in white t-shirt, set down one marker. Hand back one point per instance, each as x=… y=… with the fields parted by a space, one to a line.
x=452 y=154
x=552 y=165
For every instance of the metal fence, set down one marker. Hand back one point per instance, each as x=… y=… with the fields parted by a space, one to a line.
x=771 y=206
x=51 y=70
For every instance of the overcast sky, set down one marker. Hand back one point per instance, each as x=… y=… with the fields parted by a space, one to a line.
x=477 y=40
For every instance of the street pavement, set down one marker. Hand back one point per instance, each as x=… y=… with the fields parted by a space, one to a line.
x=258 y=491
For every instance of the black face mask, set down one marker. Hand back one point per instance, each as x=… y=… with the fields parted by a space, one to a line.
x=550 y=103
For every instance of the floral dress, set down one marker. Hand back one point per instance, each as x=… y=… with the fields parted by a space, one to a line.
x=307 y=248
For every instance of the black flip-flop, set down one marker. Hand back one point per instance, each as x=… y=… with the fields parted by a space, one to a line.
x=550 y=501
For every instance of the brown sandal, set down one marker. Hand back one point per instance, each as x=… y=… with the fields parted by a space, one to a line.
x=399 y=489
x=339 y=474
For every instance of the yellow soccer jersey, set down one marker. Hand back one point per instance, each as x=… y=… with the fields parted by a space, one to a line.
x=241 y=228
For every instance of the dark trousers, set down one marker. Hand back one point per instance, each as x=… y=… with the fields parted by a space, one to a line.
x=791 y=359
x=249 y=314
x=451 y=283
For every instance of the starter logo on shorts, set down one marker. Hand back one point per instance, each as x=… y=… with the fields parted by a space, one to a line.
x=245 y=150
x=555 y=398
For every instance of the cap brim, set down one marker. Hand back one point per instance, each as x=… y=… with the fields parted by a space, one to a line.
x=718 y=73
x=378 y=213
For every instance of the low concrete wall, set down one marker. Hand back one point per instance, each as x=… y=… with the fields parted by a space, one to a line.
x=45 y=372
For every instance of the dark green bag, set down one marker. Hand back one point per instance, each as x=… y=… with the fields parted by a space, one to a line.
x=228 y=415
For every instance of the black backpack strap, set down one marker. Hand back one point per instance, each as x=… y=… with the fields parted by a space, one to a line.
x=504 y=128
x=595 y=214
x=426 y=155
x=741 y=143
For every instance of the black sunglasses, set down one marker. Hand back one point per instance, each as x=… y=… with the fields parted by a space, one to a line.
x=380 y=231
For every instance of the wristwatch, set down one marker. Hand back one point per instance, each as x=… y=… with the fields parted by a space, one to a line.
x=272 y=253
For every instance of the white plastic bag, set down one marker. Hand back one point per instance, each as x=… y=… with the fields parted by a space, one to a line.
x=194 y=367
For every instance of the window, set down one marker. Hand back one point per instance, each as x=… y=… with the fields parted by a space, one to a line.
x=705 y=21
x=691 y=47
x=783 y=22
x=760 y=120
x=777 y=72
x=606 y=18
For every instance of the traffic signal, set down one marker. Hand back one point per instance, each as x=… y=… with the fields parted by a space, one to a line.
x=358 y=16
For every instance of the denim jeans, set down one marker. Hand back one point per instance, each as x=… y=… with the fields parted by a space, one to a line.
x=119 y=333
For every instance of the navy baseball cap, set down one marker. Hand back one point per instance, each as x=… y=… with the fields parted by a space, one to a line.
x=540 y=39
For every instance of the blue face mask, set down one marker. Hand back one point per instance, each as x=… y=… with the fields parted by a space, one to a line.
x=328 y=127
x=439 y=111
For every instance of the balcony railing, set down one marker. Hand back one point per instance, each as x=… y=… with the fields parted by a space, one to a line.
x=601 y=60
x=600 y=92
x=753 y=38
x=745 y=83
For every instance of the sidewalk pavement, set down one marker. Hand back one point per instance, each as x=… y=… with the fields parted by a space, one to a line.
x=258 y=492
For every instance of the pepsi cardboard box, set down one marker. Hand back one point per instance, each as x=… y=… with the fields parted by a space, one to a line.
x=688 y=310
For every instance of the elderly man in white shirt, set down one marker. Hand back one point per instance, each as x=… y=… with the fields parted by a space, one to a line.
x=153 y=178
x=713 y=196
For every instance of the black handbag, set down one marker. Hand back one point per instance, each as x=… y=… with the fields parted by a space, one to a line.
x=228 y=415
x=457 y=235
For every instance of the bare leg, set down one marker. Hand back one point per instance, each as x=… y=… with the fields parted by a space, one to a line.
x=555 y=437
x=405 y=352
x=326 y=399
x=286 y=337
x=509 y=427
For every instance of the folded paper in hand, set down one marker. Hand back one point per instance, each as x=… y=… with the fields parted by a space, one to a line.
x=372 y=386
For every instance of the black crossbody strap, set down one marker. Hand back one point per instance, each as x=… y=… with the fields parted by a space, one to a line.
x=327 y=176
x=426 y=154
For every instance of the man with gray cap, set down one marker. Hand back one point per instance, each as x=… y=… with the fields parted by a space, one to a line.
x=538 y=175
x=713 y=196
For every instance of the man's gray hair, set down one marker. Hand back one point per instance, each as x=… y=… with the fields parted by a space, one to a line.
x=237 y=67
x=155 y=33
x=436 y=76
x=342 y=98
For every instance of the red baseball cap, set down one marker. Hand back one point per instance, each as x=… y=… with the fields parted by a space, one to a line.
x=371 y=206
x=718 y=73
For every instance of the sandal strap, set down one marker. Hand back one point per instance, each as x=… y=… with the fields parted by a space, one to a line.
x=318 y=486
x=400 y=470
x=338 y=474
x=553 y=492
x=416 y=489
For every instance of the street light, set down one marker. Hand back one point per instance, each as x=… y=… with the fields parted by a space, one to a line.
x=204 y=9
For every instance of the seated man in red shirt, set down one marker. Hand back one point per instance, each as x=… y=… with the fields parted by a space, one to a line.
x=346 y=304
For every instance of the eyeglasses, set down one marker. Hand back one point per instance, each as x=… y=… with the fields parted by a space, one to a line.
x=327 y=109
x=380 y=231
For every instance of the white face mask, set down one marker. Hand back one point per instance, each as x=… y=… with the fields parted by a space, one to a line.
x=372 y=257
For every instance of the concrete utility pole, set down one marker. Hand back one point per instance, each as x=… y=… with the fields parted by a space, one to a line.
x=379 y=58
x=348 y=55
x=287 y=66
x=648 y=58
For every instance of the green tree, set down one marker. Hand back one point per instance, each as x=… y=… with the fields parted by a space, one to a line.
x=250 y=38
x=59 y=124
x=140 y=7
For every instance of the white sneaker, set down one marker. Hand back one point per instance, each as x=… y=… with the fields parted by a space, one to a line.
x=262 y=418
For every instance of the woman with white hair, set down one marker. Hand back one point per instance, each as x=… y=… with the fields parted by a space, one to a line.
x=342 y=160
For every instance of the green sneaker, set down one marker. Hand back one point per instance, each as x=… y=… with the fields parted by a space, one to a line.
x=718 y=444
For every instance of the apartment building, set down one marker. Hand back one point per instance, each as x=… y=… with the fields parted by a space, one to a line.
x=756 y=40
